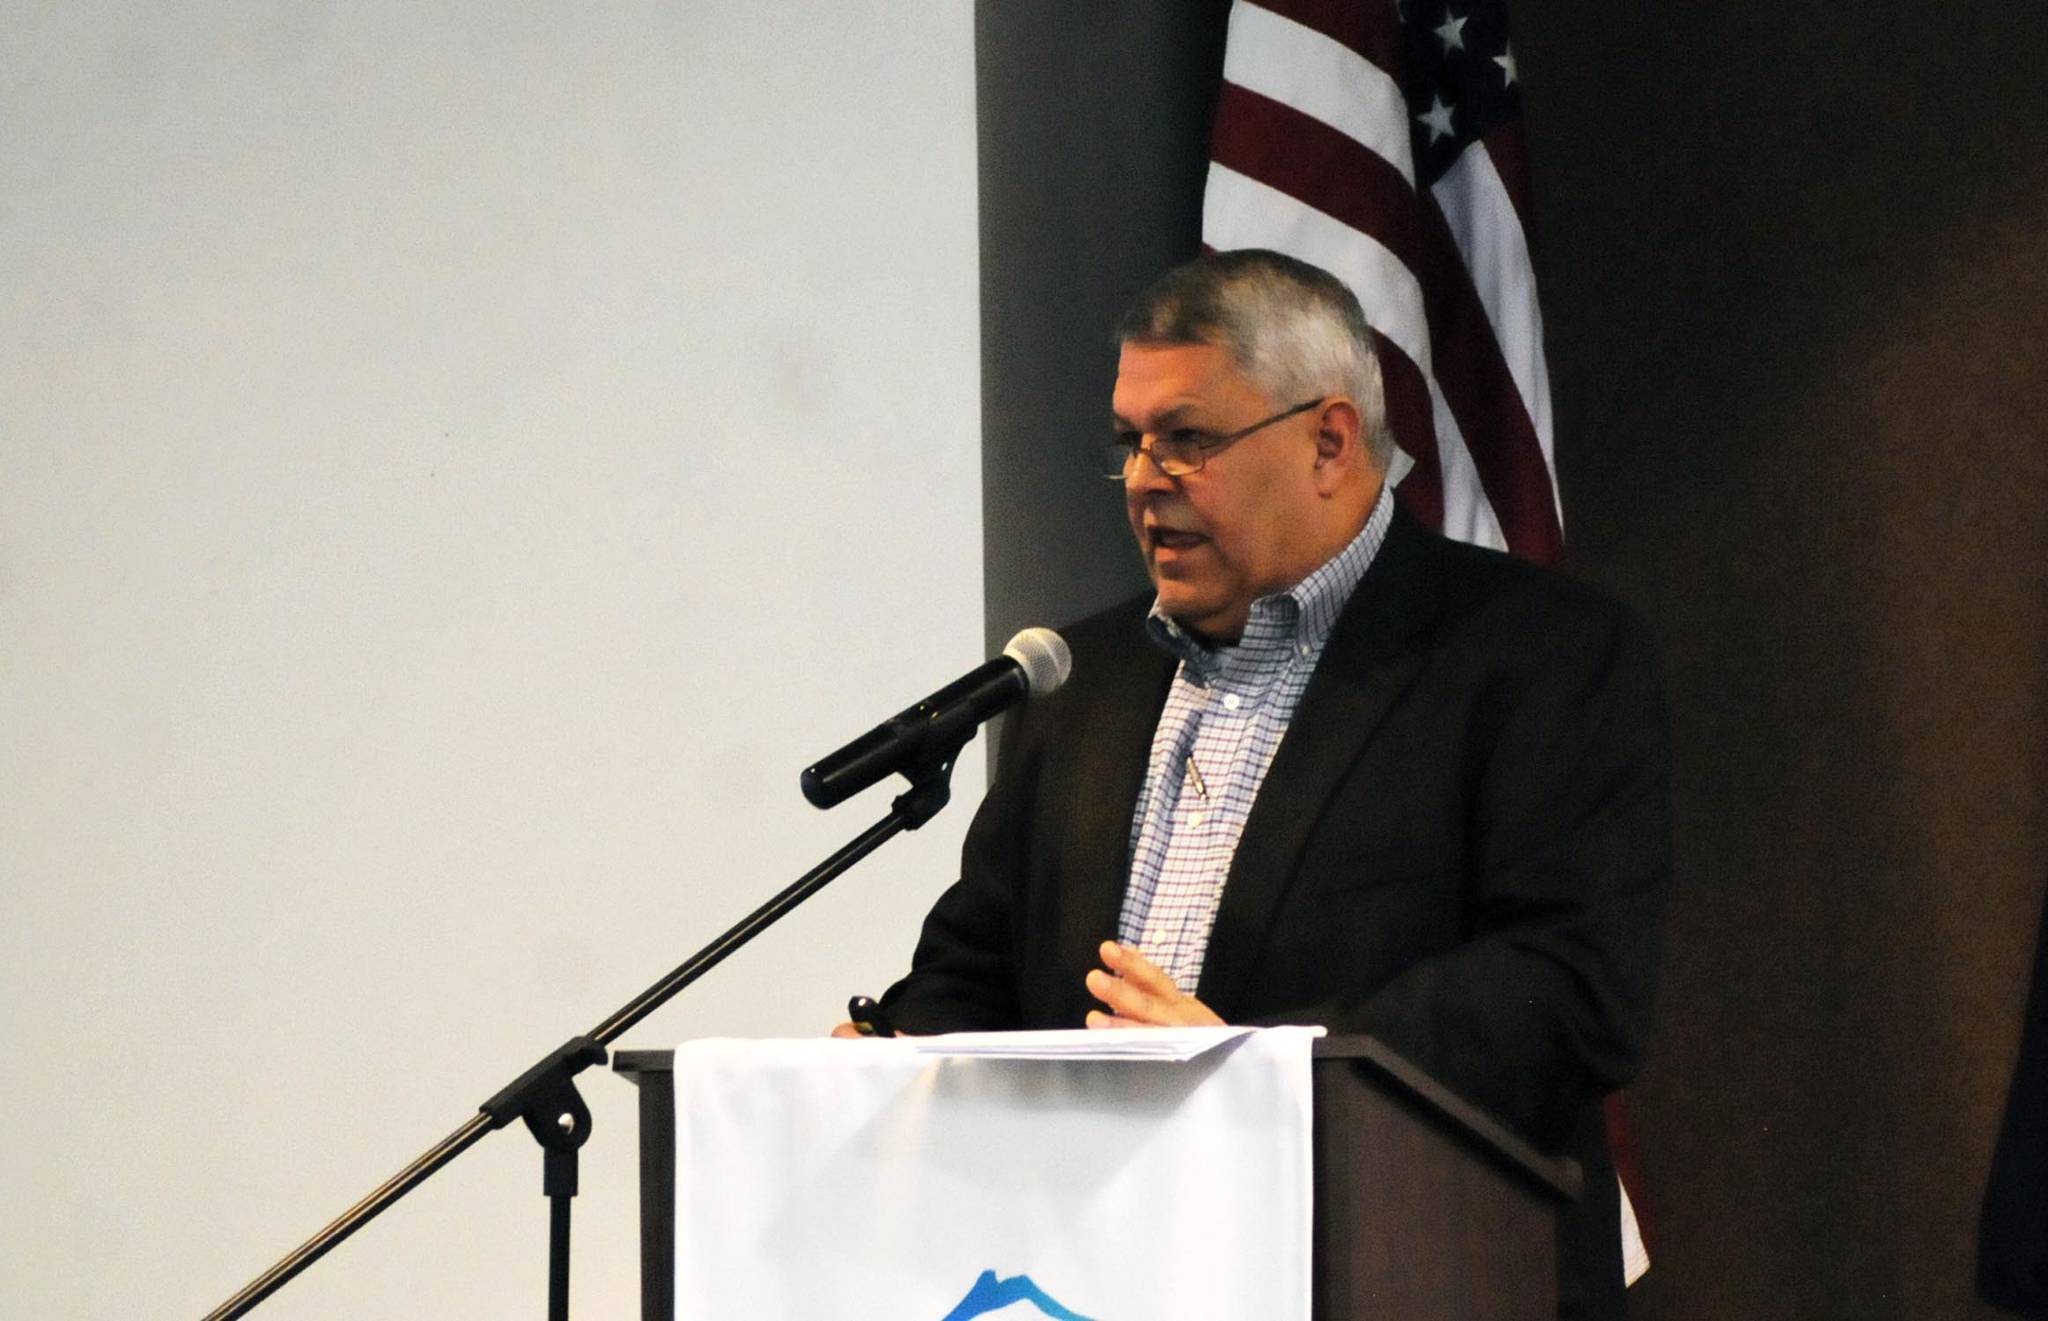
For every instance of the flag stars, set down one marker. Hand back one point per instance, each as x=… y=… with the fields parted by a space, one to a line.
x=1452 y=33
x=1507 y=66
x=1437 y=119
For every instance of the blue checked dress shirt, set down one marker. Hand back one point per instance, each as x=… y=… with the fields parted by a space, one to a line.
x=1224 y=718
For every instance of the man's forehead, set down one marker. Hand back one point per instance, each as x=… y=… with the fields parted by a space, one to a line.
x=1158 y=378
x=1147 y=358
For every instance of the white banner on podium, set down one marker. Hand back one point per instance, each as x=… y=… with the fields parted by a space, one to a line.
x=946 y=1179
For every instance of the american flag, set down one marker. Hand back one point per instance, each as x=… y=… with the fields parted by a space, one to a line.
x=1382 y=140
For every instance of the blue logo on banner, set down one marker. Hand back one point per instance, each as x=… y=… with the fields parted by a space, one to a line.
x=990 y=1294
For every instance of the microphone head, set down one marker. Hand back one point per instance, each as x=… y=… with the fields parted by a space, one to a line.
x=1043 y=656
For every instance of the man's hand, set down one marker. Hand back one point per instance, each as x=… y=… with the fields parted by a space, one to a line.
x=1140 y=995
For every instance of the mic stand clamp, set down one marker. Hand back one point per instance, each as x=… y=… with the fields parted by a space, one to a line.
x=545 y=1096
x=931 y=786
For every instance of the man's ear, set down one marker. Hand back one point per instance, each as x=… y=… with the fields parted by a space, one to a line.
x=1340 y=444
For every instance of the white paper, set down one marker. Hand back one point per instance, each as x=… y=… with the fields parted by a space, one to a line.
x=1136 y=1043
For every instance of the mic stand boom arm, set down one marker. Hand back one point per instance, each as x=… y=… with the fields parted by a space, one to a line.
x=545 y=1096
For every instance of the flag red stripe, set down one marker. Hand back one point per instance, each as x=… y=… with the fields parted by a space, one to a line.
x=1509 y=147
x=1316 y=165
x=1414 y=425
x=1484 y=398
x=1621 y=1144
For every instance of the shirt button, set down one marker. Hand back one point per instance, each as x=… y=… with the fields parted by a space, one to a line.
x=1231 y=701
x=1197 y=819
x=1303 y=648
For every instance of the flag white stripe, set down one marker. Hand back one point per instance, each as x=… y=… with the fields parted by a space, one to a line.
x=1635 y=1254
x=1240 y=212
x=1488 y=232
x=1299 y=67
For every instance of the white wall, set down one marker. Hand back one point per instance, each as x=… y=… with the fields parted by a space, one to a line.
x=457 y=464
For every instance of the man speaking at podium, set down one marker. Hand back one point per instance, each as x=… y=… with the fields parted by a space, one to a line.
x=1339 y=770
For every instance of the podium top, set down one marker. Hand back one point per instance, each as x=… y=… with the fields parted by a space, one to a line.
x=1561 y=1178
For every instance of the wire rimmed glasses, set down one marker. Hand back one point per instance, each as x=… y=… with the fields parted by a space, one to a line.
x=1180 y=452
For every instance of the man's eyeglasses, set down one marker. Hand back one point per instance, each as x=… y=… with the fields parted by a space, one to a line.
x=1178 y=453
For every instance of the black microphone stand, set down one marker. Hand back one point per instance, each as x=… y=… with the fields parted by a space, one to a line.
x=545 y=1096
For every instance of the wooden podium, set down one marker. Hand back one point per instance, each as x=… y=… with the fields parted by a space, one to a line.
x=1425 y=1207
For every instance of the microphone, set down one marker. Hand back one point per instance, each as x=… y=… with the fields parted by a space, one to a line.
x=1034 y=663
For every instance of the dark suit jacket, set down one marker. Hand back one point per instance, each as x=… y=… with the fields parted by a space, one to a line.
x=2012 y=1235
x=1461 y=848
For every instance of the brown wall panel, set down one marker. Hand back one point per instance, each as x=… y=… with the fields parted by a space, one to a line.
x=1794 y=263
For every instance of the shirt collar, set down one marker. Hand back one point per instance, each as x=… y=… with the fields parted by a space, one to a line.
x=1299 y=617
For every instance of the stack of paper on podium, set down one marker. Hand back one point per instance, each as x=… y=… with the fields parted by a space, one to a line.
x=1152 y=1043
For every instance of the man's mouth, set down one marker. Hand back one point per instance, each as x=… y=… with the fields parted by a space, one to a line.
x=1174 y=539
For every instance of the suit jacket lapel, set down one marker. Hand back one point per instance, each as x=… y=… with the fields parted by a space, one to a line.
x=1103 y=780
x=1366 y=664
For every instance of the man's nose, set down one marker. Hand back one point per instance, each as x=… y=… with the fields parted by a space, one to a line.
x=1143 y=473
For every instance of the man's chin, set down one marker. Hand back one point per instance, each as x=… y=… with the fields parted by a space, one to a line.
x=1188 y=609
